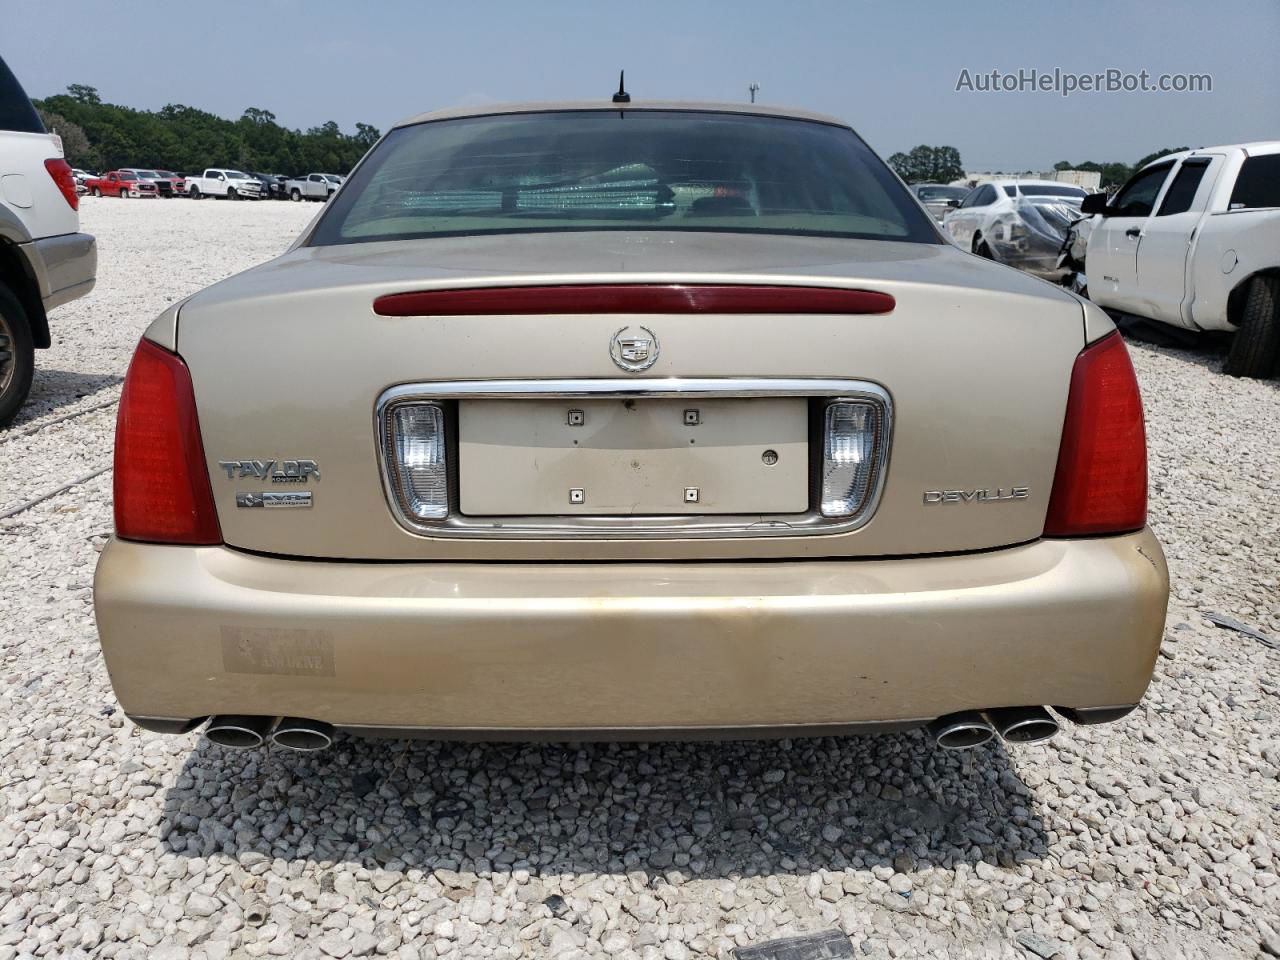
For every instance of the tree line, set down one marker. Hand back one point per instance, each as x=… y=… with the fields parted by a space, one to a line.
x=925 y=164
x=1115 y=174
x=104 y=136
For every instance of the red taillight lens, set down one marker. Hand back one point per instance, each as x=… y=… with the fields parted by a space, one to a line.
x=1101 y=483
x=60 y=170
x=632 y=298
x=162 y=492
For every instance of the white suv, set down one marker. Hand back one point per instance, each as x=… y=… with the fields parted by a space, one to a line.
x=44 y=260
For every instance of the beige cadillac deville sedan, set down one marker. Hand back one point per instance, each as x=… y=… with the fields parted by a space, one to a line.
x=628 y=420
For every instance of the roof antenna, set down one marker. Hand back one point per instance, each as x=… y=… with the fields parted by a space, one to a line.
x=621 y=96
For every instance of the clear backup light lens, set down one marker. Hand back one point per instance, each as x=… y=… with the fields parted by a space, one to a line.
x=416 y=450
x=849 y=457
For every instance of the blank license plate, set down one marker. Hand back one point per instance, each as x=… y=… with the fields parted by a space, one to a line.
x=633 y=457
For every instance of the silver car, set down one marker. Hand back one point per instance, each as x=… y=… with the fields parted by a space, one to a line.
x=938 y=198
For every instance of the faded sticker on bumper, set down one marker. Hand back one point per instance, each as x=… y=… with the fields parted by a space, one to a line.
x=277 y=650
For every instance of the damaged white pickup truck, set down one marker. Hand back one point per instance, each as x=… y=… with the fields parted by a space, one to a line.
x=1193 y=240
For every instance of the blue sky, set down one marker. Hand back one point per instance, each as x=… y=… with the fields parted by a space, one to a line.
x=888 y=69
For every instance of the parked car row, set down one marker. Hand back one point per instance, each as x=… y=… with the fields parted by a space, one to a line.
x=224 y=182
x=1192 y=240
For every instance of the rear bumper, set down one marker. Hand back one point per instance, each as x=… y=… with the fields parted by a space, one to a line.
x=65 y=267
x=481 y=649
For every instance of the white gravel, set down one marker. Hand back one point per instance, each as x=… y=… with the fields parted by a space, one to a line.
x=1157 y=837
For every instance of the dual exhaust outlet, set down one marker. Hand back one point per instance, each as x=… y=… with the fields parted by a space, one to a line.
x=956 y=731
x=972 y=728
x=245 y=732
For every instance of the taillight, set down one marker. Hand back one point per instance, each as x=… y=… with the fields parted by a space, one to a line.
x=162 y=492
x=1101 y=483
x=60 y=170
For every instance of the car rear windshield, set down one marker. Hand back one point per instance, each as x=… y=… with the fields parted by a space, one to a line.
x=614 y=170
x=16 y=112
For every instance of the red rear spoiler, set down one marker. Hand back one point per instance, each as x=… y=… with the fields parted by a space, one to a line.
x=632 y=298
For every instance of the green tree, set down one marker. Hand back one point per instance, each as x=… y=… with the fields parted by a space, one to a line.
x=75 y=143
x=925 y=164
x=255 y=115
x=367 y=135
x=117 y=149
x=83 y=94
x=1114 y=174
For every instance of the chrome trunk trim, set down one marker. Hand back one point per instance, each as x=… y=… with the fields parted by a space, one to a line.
x=622 y=527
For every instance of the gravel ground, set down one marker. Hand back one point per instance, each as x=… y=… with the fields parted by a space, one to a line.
x=1156 y=837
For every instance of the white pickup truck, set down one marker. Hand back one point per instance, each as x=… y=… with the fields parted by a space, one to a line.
x=314 y=186
x=1193 y=240
x=220 y=182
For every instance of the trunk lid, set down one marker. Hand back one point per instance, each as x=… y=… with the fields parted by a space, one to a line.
x=289 y=361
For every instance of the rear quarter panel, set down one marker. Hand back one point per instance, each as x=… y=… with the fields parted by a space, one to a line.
x=26 y=188
x=1231 y=247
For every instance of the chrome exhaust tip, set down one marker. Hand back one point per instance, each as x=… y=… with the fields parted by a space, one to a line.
x=298 y=733
x=238 y=732
x=1024 y=724
x=961 y=731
